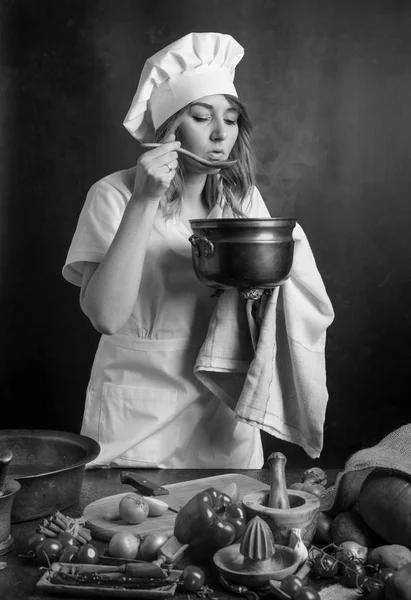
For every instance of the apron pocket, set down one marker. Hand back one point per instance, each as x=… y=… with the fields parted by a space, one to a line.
x=136 y=423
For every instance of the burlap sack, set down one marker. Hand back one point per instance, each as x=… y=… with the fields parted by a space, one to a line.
x=392 y=452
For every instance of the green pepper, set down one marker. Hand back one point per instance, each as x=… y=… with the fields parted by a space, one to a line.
x=208 y=522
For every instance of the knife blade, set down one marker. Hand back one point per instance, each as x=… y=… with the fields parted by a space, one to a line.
x=149 y=488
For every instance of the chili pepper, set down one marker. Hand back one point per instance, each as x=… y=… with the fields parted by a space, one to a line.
x=98 y=580
x=208 y=522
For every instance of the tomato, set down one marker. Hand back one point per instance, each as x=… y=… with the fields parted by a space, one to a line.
x=385 y=573
x=352 y=573
x=291 y=584
x=373 y=589
x=87 y=555
x=67 y=539
x=68 y=553
x=193 y=578
x=35 y=540
x=48 y=551
x=306 y=592
x=325 y=565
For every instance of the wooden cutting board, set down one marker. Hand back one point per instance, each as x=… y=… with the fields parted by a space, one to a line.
x=103 y=519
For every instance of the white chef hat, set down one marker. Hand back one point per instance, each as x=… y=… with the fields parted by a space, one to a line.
x=197 y=65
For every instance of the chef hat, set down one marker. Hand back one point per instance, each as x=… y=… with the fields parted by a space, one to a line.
x=197 y=65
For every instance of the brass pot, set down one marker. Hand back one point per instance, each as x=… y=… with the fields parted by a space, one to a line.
x=246 y=254
x=49 y=467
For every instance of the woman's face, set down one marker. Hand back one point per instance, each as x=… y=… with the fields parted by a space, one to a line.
x=209 y=129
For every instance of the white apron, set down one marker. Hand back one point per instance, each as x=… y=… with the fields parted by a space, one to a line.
x=144 y=405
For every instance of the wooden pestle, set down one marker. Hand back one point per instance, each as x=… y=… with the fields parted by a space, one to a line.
x=278 y=497
x=5 y=458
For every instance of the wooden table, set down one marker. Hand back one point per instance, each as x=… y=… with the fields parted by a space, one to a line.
x=18 y=580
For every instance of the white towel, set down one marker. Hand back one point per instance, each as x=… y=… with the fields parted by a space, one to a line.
x=266 y=358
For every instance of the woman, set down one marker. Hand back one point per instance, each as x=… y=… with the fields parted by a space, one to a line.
x=131 y=256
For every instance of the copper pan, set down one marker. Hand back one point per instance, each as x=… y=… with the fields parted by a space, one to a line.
x=49 y=465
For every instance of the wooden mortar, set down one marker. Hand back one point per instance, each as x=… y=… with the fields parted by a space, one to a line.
x=283 y=509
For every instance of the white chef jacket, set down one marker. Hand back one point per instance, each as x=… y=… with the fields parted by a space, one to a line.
x=144 y=405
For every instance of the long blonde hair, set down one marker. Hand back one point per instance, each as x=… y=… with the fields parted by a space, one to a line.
x=231 y=186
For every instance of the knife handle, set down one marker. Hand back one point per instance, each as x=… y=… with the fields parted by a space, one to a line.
x=142 y=484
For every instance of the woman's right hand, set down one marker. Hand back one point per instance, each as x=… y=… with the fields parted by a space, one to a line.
x=155 y=170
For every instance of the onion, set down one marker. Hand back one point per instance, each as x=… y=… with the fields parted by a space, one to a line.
x=150 y=545
x=124 y=544
x=349 y=550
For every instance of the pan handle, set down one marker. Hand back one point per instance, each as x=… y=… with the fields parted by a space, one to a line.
x=209 y=246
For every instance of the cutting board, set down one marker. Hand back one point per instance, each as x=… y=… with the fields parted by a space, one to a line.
x=103 y=519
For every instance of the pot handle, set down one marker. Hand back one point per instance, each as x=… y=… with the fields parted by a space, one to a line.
x=209 y=246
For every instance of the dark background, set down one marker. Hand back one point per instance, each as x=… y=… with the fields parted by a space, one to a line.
x=328 y=86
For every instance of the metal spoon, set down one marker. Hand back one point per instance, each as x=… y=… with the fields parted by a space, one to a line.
x=203 y=161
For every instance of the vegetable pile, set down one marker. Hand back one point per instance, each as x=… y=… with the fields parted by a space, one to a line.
x=369 y=546
x=43 y=551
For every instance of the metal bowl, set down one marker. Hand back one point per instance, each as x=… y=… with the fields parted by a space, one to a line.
x=49 y=465
x=246 y=254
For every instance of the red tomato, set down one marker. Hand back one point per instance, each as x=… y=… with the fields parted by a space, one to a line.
x=352 y=573
x=373 y=589
x=306 y=592
x=385 y=573
x=68 y=553
x=35 y=540
x=291 y=584
x=325 y=565
x=87 y=555
x=193 y=578
x=48 y=551
x=67 y=539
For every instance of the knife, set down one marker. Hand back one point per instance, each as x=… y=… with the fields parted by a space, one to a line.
x=149 y=488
